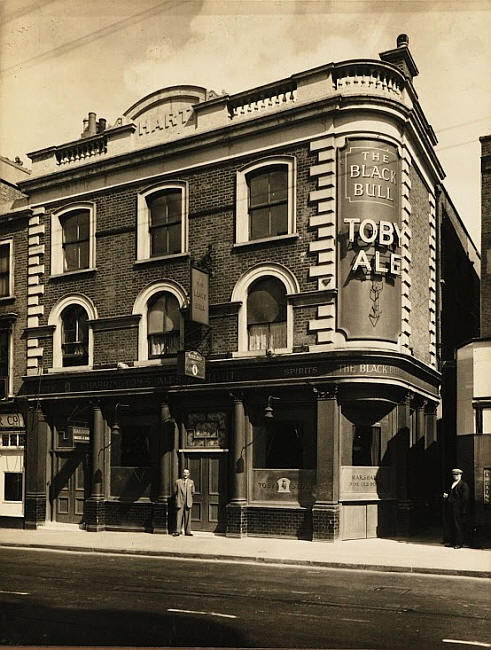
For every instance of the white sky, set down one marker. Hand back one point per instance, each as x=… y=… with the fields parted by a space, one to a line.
x=60 y=59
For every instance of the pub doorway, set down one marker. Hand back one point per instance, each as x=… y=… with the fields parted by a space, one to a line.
x=70 y=485
x=209 y=473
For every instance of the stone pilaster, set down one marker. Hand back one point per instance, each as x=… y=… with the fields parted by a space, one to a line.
x=35 y=505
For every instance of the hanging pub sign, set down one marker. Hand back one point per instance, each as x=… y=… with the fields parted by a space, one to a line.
x=191 y=364
x=369 y=240
x=198 y=309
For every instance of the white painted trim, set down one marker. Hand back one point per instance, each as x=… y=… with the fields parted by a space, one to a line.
x=55 y=319
x=57 y=236
x=143 y=217
x=240 y=292
x=140 y=307
x=242 y=196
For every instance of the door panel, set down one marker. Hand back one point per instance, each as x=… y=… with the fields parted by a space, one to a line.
x=208 y=472
x=354 y=522
x=69 y=486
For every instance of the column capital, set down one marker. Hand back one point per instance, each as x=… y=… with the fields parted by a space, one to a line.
x=329 y=391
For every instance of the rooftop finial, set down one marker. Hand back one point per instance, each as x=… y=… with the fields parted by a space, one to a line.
x=403 y=40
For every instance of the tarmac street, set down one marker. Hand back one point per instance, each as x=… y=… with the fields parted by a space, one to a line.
x=74 y=598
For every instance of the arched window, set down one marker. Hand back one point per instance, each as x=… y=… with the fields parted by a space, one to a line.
x=267 y=314
x=74 y=336
x=165 y=222
x=163 y=325
x=268 y=202
x=75 y=227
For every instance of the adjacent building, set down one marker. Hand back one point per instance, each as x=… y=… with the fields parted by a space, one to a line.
x=246 y=285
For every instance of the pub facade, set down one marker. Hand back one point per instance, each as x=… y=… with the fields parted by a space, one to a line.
x=248 y=286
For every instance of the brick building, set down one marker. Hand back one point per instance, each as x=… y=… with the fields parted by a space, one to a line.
x=289 y=235
x=473 y=389
x=13 y=313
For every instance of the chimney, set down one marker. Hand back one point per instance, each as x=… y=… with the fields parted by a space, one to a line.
x=101 y=125
x=85 y=126
x=401 y=57
x=92 y=130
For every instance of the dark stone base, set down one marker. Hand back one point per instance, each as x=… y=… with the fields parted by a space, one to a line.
x=405 y=525
x=236 y=520
x=11 y=522
x=325 y=522
x=94 y=515
x=160 y=517
x=34 y=511
x=294 y=523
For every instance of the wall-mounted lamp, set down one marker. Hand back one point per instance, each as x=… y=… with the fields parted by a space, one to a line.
x=268 y=411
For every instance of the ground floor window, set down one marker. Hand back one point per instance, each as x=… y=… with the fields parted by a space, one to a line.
x=133 y=454
x=13 y=486
x=366 y=445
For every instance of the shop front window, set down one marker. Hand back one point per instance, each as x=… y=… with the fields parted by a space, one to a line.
x=12 y=486
x=132 y=451
x=366 y=446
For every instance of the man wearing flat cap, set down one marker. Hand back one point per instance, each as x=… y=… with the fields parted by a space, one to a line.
x=456 y=499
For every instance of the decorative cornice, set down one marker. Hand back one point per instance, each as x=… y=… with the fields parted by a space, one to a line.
x=39 y=332
x=225 y=308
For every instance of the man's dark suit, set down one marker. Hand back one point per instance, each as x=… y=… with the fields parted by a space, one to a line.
x=455 y=511
x=184 y=503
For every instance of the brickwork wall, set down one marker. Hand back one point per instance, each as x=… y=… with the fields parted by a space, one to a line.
x=113 y=346
x=8 y=193
x=419 y=294
x=280 y=522
x=114 y=286
x=17 y=231
x=486 y=237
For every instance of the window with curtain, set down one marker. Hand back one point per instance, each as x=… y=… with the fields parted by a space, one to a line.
x=75 y=336
x=75 y=226
x=4 y=270
x=268 y=202
x=267 y=314
x=165 y=222
x=163 y=325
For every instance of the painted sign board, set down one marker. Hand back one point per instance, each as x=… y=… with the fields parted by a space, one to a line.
x=198 y=309
x=283 y=485
x=11 y=421
x=192 y=364
x=487 y=485
x=79 y=434
x=369 y=240
x=360 y=483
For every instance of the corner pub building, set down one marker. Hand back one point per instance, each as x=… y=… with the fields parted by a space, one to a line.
x=286 y=237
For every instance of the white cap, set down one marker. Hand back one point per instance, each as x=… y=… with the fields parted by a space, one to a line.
x=457 y=471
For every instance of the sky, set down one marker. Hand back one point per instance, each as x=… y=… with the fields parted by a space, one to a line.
x=60 y=59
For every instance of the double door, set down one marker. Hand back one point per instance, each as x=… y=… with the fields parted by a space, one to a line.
x=208 y=471
x=69 y=486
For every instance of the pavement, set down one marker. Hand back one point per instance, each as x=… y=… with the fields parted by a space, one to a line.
x=410 y=555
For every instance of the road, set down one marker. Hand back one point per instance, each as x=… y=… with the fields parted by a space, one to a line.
x=68 y=598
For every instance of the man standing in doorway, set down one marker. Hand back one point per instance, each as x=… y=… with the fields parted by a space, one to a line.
x=455 y=510
x=184 y=503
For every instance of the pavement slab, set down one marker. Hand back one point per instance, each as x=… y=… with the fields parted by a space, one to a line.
x=400 y=555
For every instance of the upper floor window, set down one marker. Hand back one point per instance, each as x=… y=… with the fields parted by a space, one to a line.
x=268 y=202
x=73 y=238
x=266 y=199
x=162 y=221
x=4 y=362
x=266 y=315
x=75 y=336
x=6 y=288
x=73 y=341
x=163 y=325
x=75 y=226
x=160 y=327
